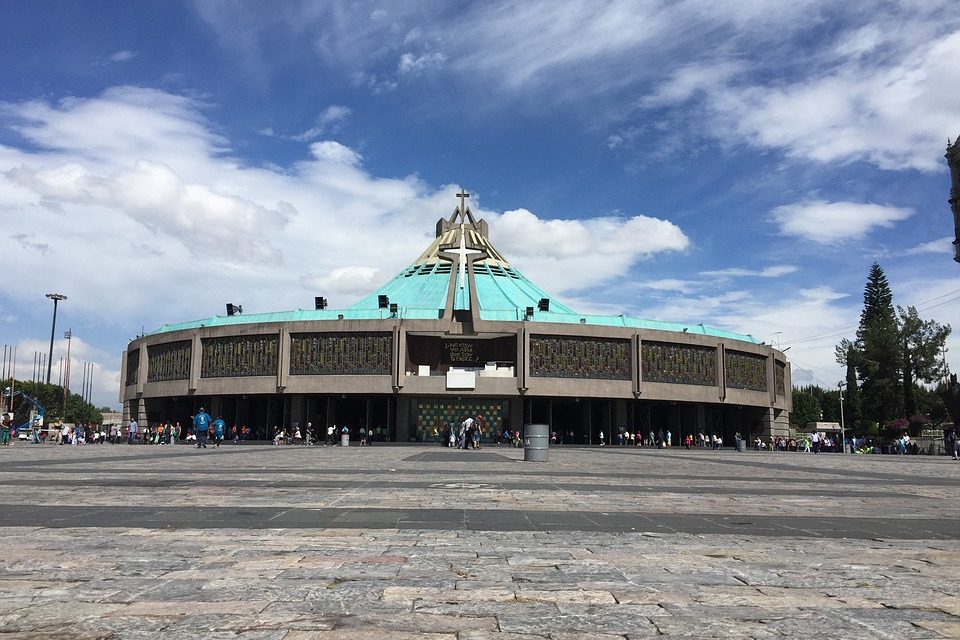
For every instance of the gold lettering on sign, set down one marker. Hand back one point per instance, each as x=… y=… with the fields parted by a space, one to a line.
x=459 y=351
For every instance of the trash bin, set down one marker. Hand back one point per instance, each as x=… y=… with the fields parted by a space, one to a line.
x=345 y=440
x=536 y=439
x=742 y=446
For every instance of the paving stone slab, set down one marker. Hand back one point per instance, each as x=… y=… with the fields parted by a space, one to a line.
x=712 y=546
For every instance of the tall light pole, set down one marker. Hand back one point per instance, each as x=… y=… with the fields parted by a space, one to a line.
x=68 y=334
x=843 y=439
x=56 y=297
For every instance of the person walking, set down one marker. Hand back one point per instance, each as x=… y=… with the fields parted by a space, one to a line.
x=131 y=431
x=953 y=442
x=219 y=431
x=201 y=425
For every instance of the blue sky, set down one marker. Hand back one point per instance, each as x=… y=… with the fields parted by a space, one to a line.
x=736 y=164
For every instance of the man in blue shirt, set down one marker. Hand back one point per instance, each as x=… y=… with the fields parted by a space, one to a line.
x=219 y=429
x=201 y=424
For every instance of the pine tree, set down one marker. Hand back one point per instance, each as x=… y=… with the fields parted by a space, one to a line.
x=853 y=407
x=875 y=354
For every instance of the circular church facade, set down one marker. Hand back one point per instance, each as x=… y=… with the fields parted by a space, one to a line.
x=460 y=332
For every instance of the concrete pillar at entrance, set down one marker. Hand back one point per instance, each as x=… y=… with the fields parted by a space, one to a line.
x=775 y=423
x=404 y=429
x=620 y=419
x=516 y=413
x=701 y=419
x=216 y=407
x=298 y=410
x=137 y=409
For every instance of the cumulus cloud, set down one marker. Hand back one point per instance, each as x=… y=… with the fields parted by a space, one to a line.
x=833 y=222
x=941 y=245
x=344 y=280
x=167 y=225
x=889 y=113
x=206 y=222
x=597 y=248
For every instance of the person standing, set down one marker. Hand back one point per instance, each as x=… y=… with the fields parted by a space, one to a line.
x=953 y=443
x=131 y=431
x=5 y=423
x=201 y=425
x=330 y=430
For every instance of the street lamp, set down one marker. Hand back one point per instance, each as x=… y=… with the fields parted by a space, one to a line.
x=843 y=439
x=56 y=297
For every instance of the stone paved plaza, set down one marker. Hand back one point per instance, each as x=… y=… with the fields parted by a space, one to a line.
x=397 y=542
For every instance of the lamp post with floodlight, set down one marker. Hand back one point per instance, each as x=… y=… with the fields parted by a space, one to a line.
x=56 y=297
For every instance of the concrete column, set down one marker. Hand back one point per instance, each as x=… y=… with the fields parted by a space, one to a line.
x=195 y=362
x=516 y=413
x=298 y=410
x=523 y=348
x=142 y=375
x=403 y=419
x=123 y=379
x=775 y=423
x=621 y=418
x=283 y=358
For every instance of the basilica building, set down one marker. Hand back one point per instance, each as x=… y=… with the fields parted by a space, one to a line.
x=459 y=332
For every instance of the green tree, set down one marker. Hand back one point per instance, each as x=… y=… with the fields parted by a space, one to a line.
x=852 y=404
x=50 y=397
x=922 y=342
x=805 y=409
x=875 y=354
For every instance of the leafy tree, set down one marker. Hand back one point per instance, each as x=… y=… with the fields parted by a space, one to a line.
x=922 y=343
x=830 y=406
x=930 y=403
x=50 y=397
x=805 y=409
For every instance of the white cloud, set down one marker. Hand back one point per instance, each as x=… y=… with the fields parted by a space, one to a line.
x=411 y=63
x=597 y=249
x=817 y=80
x=335 y=152
x=123 y=56
x=821 y=293
x=328 y=121
x=670 y=284
x=172 y=226
x=206 y=222
x=833 y=222
x=941 y=245
x=891 y=115
x=774 y=271
x=344 y=280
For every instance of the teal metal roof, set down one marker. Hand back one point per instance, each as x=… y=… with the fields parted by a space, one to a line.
x=421 y=291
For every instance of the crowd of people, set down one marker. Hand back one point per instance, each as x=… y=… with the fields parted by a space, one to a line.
x=466 y=434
